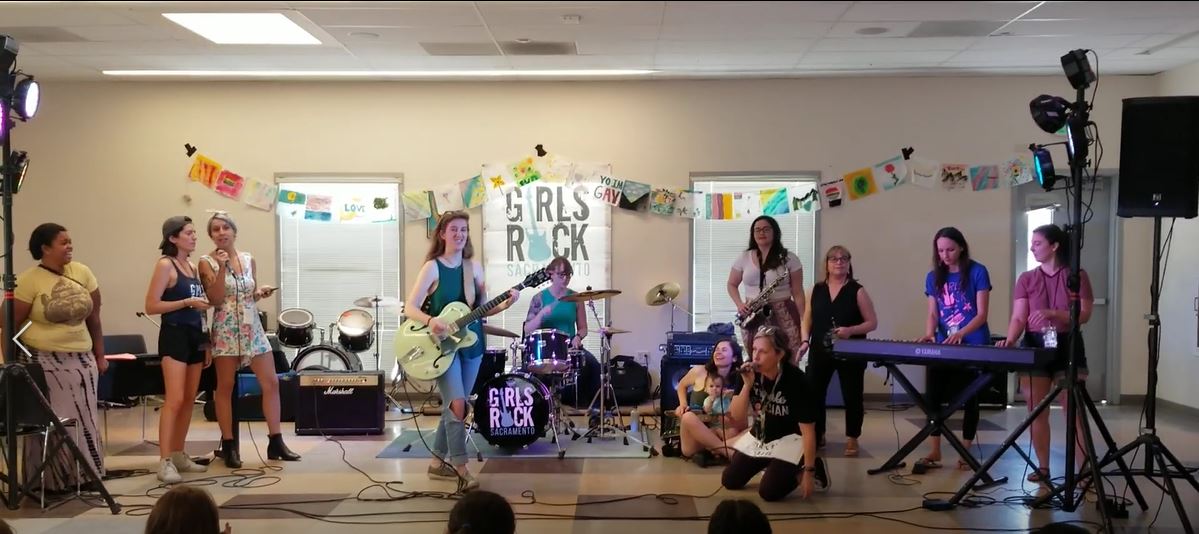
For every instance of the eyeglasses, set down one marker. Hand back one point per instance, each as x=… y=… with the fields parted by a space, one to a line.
x=762 y=230
x=563 y=274
x=839 y=259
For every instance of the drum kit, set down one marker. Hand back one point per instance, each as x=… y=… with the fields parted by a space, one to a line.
x=355 y=331
x=514 y=409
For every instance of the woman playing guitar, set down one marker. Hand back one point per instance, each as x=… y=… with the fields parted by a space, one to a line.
x=443 y=280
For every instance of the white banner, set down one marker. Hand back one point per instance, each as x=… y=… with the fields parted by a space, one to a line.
x=525 y=229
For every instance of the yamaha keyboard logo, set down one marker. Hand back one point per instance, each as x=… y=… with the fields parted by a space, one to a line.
x=922 y=351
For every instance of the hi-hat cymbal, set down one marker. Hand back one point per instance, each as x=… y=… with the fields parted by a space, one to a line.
x=382 y=302
x=662 y=293
x=497 y=331
x=584 y=296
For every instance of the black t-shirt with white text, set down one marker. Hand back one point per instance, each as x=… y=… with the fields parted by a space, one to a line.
x=783 y=403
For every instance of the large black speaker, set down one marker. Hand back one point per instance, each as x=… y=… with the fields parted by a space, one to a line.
x=673 y=369
x=1159 y=157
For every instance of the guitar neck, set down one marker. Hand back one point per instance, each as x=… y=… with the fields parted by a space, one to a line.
x=479 y=312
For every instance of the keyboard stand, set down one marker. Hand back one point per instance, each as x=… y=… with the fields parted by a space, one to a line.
x=936 y=420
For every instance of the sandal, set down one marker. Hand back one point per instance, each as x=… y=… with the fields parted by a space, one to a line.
x=851 y=447
x=1040 y=475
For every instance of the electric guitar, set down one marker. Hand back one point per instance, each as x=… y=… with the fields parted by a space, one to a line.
x=426 y=356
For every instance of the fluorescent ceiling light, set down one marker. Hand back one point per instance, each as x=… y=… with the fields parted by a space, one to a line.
x=244 y=28
x=374 y=73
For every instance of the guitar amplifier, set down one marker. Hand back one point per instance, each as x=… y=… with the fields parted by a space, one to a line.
x=695 y=344
x=340 y=403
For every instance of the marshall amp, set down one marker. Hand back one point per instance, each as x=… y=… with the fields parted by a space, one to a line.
x=340 y=403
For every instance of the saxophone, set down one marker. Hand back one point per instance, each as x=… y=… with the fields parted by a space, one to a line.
x=754 y=307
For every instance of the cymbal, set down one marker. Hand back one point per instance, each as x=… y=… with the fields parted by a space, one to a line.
x=497 y=331
x=584 y=296
x=383 y=302
x=610 y=331
x=662 y=293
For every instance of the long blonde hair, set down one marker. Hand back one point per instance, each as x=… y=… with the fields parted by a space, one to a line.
x=437 y=247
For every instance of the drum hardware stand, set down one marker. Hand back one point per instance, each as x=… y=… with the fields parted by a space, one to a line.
x=609 y=425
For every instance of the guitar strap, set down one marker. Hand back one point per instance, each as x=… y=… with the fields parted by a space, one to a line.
x=468 y=281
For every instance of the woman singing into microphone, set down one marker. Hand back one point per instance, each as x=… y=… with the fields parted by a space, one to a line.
x=238 y=338
x=762 y=262
x=782 y=403
x=959 y=295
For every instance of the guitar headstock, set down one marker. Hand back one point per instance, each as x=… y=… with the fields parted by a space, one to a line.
x=535 y=279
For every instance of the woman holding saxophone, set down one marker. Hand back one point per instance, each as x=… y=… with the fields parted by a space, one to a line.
x=767 y=264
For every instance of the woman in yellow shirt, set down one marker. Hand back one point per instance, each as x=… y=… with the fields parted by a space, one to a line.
x=61 y=300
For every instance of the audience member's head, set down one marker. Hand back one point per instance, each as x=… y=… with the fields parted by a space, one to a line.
x=482 y=512
x=738 y=516
x=1062 y=528
x=4 y=528
x=185 y=510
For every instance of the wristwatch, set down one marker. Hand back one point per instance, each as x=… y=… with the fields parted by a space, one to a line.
x=810 y=469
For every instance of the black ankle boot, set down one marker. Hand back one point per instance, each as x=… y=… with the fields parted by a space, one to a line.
x=230 y=453
x=277 y=450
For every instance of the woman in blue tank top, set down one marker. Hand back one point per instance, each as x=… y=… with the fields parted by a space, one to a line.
x=176 y=294
x=442 y=280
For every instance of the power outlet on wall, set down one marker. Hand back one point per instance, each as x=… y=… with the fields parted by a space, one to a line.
x=643 y=356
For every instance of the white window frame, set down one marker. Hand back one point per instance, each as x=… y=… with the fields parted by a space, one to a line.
x=720 y=273
x=387 y=318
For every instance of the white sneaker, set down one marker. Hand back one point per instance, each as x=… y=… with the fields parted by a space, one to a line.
x=467 y=483
x=184 y=464
x=167 y=472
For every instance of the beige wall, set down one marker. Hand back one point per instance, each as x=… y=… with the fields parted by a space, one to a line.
x=1179 y=356
x=108 y=163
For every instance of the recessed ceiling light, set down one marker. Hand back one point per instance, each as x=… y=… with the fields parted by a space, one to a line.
x=872 y=30
x=363 y=35
x=524 y=40
x=244 y=28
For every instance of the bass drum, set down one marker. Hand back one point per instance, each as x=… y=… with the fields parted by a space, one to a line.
x=295 y=328
x=326 y=358
x=512 y=410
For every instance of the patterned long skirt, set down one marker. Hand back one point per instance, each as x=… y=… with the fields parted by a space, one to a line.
x=71 y=378
x=784 y=315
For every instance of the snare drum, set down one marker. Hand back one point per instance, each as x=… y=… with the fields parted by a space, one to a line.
x=512 y=410
x=355 y=330
x=547 y=352
x=295 y=328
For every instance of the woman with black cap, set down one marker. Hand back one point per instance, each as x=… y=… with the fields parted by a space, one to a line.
x=176 y=293
x=238 y=338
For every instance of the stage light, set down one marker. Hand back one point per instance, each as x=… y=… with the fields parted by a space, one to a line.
x=26 y=98
x=1049 y=112
x=18 y=165
x=1078 y=69
x=1042 y=166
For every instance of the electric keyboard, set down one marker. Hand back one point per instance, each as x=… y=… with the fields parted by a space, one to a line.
x=906 y=352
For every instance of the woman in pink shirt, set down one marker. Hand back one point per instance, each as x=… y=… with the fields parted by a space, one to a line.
x=1041 y=312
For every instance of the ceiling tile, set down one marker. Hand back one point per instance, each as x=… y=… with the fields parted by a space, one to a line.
x=1059 y=42
x=400 y=17
x=551 y=13
x=734 y=46
x=615 y=47
x=709 y=13
x=1093 y=27
x=928 y=11
x=717 y=31
x=894 y=44
x=850 y=29
x=570 y=33
x=1115 y=10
